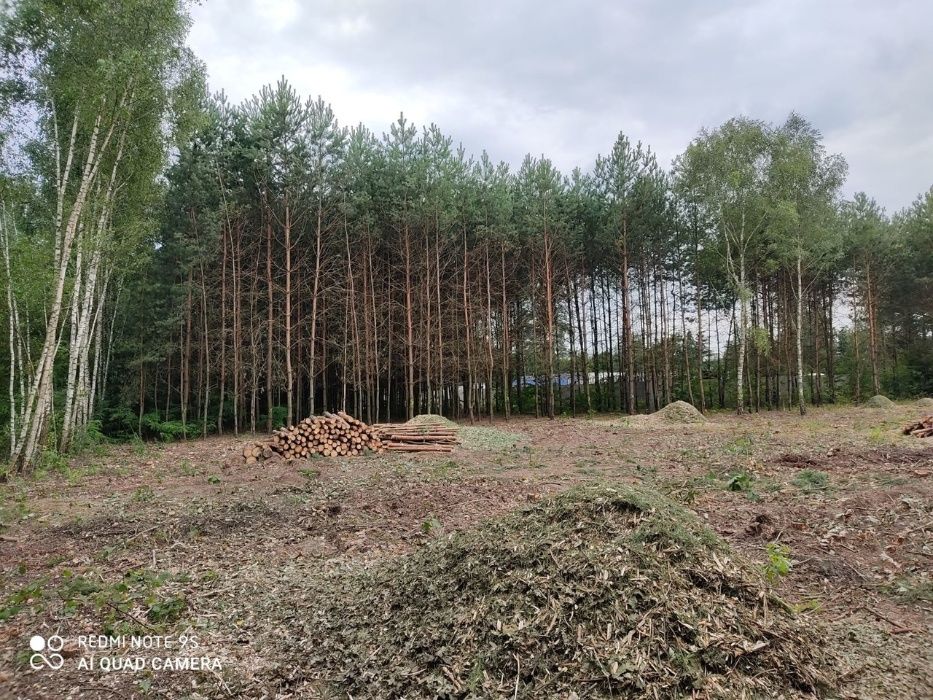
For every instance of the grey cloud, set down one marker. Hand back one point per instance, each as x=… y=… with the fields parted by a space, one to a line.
x=564 y=78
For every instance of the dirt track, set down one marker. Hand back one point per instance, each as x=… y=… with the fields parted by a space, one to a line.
x=212 y=546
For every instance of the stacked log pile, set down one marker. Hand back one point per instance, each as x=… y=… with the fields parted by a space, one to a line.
x=409 y=437
x=921 y=428
x=330 y=435
x=341 y=435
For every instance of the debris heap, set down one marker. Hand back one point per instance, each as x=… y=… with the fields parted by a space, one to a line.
x=920 y=428
x=598 y=592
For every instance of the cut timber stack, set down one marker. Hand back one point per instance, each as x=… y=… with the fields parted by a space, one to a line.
x=921 y=428
x=426 y=437
x=330 y=435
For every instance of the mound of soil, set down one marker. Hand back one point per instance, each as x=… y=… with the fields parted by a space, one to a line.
x=879 y=401
x=598 y=592
x=679 y=412
x=925 y=402
x=432 y=419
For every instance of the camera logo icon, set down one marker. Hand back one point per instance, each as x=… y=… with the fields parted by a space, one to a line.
x=52 y=646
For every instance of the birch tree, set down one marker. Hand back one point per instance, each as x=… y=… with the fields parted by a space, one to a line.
x=94 y=74
x=730 y=166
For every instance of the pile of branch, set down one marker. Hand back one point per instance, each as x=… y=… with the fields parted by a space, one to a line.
x=921 y=428
x=408 y=437
x=330 y=435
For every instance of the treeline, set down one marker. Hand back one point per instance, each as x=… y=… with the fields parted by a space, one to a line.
x=316 y=267
x=282 y=265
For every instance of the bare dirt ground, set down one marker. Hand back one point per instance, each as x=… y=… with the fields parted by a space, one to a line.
x=184 y=542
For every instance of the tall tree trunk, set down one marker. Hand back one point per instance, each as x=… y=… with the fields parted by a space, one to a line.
x=801 y=405
x=630 y=404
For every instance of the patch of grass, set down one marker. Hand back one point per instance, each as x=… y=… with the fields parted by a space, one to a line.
x=812 y=605
x=143 y=494
x=877 y=436
x=889 y=480
x=187 y=469
x=812 y=480
x=741 y=446
x=213 y=479
x=140 y=448
x=310 y=474
x=51 y=460
x=443 y=470
x=13 y=509
x=115 y=601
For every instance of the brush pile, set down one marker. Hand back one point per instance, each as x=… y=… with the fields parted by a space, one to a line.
x=921 y=428
x=425 y=433
x=598 y=592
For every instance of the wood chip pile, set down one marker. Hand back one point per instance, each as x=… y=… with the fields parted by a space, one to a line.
x=341 y=435
x=921 y=428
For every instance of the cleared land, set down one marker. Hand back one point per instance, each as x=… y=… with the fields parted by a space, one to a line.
x=258 y=562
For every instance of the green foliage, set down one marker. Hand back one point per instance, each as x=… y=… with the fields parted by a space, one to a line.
x=89 y=438
x=279 y=416
x=742 y=481
x=433 y=527
x=167 y=610
x=167 y=431
x=747 y=206
x=30 y=594
x=758 y=340
x=115 y=601
x=51 y=460
x=778 y=564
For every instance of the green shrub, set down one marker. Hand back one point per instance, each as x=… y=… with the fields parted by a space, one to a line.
x=153 y=427
x=89 y=437
x=778 y=564
x=741 y=481
x=279 y=416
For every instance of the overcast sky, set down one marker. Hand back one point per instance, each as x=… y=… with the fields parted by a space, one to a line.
x=562 y=79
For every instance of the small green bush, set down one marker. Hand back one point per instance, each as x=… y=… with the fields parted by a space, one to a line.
x=778 y=564
x=740 y=482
